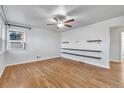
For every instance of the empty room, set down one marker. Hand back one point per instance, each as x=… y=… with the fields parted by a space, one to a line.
x=61 y=46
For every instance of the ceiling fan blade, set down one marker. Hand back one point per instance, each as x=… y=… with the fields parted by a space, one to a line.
x=51 y=24
x=55 y=18
x=68 y=25
x=71 y=20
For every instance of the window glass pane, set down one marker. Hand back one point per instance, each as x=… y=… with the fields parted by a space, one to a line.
x=14 y=35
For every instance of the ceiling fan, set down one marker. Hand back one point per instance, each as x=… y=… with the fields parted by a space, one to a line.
x=61 y=21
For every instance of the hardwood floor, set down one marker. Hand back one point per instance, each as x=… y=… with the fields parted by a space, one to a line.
x=60 y=72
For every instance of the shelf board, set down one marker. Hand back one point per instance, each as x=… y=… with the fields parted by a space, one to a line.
x=94 y=40
x=94 y=57
x=65 y=42
x=82 y=50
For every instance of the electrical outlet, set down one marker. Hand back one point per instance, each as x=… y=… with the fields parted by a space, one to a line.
x=76 y=41
x=37 y=57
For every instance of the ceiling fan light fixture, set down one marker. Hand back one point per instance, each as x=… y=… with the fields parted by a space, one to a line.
x=60 y=25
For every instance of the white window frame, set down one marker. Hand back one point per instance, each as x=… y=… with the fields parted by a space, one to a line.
x=18 y=41
x=2 y=36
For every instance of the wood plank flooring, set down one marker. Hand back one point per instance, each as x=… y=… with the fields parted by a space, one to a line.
x=61 y=72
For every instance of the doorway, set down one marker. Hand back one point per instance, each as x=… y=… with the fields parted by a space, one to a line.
x=117 y=44
x=122 y=46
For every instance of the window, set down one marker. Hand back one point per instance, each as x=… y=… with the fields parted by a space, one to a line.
x=16 y=40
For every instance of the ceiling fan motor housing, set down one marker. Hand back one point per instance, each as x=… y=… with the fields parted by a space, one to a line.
x=60 y=17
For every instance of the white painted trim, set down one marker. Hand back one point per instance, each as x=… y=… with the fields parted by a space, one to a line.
x=2 y=51
x=30 y=61
x=115 y=61
x=1 y=72
x=89 y=63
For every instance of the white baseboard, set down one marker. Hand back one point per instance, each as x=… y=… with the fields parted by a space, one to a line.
x=115 y=61
x=2 y=51
x=29 y=61
x=89 y=63
x=2 y=70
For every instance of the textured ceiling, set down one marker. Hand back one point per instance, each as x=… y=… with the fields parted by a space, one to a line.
x=40 y=15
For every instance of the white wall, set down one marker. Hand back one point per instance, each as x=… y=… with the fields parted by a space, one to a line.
x=41 y=42
x=115 y=43
x=100 y=31
x=2 y=44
